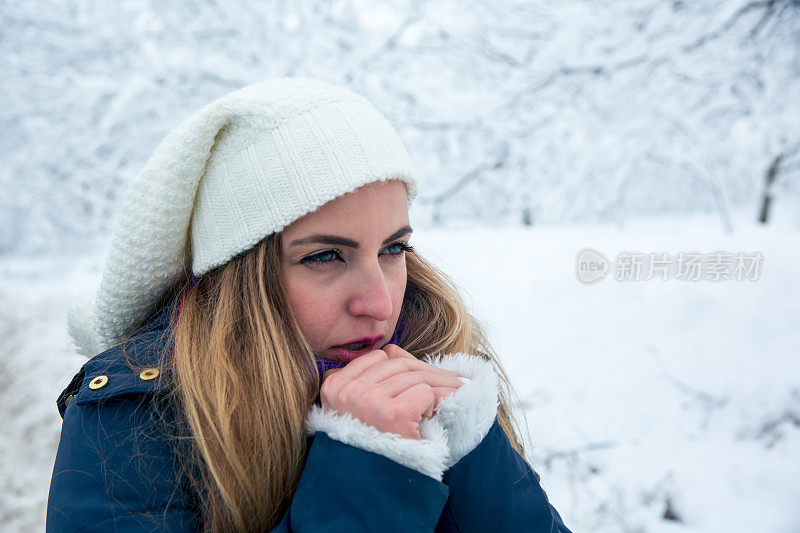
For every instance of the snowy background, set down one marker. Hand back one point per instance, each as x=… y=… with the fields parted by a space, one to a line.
x=538 y=129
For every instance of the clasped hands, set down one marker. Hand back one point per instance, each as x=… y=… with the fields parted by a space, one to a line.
x=388 y=389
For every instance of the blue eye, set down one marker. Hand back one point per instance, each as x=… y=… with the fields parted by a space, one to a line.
x=399 y=248
x=322 y=258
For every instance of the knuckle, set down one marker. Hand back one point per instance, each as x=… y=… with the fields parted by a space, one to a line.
x=371 y=396
x=404 y=412
x=332 y=380
x=325 y=398
x=395 y=414
x=329 y=395
x=424 y=390
x=327 y=389
x=348 y=392
x=384 y=420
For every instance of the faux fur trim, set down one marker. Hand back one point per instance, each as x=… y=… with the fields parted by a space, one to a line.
x=426 y=456
x=468 y=414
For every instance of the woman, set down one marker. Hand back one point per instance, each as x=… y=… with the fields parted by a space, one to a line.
x=271 y=352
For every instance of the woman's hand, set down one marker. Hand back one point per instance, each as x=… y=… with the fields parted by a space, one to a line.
x=388 y=389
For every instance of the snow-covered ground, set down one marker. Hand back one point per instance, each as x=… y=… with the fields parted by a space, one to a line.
x=642 y=397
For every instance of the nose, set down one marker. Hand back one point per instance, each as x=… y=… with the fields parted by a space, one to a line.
x=370 y=294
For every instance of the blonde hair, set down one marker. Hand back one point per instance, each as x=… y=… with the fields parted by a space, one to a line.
x=243 y=378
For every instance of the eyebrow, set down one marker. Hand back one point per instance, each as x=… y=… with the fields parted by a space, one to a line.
x=342 y=241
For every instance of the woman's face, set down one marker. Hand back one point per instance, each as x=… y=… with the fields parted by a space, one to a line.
x=345 y=269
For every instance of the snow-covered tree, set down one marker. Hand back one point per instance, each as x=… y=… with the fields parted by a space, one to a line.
x=513 y=111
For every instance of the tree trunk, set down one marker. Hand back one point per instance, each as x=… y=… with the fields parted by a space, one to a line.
x=772 y=172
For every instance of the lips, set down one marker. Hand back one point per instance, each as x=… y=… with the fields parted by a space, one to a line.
x=355 y=348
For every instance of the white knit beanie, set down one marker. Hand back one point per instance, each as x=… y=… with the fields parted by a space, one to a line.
x=237 y=170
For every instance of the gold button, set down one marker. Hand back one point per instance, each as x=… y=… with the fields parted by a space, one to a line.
x=98 y=383
x=66 y=402
x=148 y=374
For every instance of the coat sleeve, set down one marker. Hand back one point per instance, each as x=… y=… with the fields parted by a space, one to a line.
x=344 y=488
x=494 y=485
x=115 y=472
x=490 y=484
x=357 y=478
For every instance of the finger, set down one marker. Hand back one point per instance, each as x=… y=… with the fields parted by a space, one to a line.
x=386 y=369
x=429 y=413
x=356 y=367
x=441 y=393
x=395 y=352
x=399 y=383
x=419 y=398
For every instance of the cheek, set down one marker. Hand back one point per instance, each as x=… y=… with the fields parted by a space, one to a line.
x=398 y=286
x=312 y=308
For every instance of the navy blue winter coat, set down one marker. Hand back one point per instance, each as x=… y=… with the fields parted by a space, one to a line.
x=115 y=471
